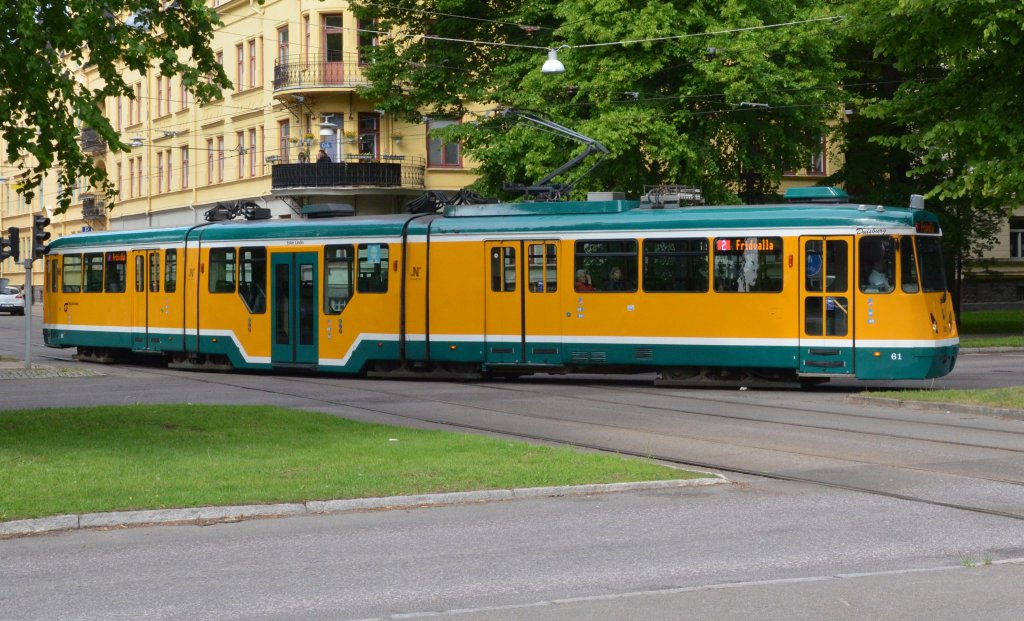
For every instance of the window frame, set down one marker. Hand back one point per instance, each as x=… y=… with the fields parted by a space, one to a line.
x=736 y=251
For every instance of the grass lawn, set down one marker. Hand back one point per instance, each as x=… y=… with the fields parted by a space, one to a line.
x=82 y=460
x=992 y=322
x=1012 y=397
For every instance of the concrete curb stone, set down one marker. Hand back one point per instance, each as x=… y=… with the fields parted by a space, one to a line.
x=937 y=406
x=199 y=515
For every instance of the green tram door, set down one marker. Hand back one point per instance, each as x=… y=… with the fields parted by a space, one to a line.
x=826 y=306
x=294 y=308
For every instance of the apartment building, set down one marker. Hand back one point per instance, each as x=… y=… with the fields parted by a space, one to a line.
x=296 y=67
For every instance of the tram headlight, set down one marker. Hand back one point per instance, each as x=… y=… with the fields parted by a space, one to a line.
x=935 y=326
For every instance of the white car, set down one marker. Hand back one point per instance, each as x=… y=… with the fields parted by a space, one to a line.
x=12 y=301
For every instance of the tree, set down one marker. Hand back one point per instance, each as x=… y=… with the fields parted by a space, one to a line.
x=673 y=107
x=943 y=120
x=43 y=104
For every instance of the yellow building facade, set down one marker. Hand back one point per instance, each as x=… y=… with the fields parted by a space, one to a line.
x=296 y=69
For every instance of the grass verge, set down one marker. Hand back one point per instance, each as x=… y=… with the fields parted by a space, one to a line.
x=1012 y=397
x=992 y=322
x=991 y=341
x=82 y=460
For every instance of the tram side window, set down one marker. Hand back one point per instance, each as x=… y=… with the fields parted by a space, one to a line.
x=929 y=254
x=503 y=268
x=170 y=270
x=116 y=271
x=154 y=272
x=222 y=270
x=611 y=264
x=748 y=264
x=140 y=273
x=93 y=265
x=676 y=265
x=252 y=279
x=373 y=268
x=542 y=260
x=54 y=272
x=908 y=266
x=337 y=278
x=72 y=273
x=877 y=264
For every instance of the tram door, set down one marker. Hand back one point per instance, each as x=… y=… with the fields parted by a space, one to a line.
x=294 y=296
x=144 y=296
x=826 y=305
x=522 y=321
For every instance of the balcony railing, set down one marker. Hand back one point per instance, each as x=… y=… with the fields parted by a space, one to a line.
x=93 y=209
x=92 y=142
x=319 y=70
x=359 y=172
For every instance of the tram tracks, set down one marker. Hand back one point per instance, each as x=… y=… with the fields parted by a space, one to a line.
x=617 y=430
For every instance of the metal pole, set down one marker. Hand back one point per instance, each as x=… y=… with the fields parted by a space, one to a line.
x=28 y=313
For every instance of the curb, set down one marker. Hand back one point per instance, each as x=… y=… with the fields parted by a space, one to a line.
x=206 y=515
x=938 y=406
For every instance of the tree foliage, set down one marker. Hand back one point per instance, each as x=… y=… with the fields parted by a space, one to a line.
x=674 y=110
x=963 y=86
x=44 y=105
x=938 y=83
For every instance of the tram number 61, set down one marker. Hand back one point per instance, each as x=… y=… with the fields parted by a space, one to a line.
x=896 y=356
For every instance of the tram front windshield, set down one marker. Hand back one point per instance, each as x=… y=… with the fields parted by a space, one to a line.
x=929 y=258
x=878 y=262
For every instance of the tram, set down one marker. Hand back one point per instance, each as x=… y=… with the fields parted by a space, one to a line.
x=802 y=291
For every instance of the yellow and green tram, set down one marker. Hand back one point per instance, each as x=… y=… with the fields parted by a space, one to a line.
x=803 y=291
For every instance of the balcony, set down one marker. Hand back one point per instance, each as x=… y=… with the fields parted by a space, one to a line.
x=93 y=209
x=318 y=70
x=92 y=143
x=387 y=172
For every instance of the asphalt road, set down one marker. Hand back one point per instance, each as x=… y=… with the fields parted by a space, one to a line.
x=863 y=511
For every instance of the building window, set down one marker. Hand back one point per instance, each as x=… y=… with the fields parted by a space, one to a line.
x=817 y=163
x=209 y=161
x=252 y=63
x=239 y=68
x=240 y=150
x=439 y=152
x=138 y=102
x=120 y=171
x=307 y=38
x=138 y=176
x=282 y=46
x=367 y=38
x=220 y=158
x=369 y=134
x=1017 y=238
x=184 y=167
x=283 y=133
x=131 y=178
x=167 y=94
x=252 y=152
x=159 y=96
x=159 y=173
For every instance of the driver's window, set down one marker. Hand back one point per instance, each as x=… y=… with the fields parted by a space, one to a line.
x=337 y=278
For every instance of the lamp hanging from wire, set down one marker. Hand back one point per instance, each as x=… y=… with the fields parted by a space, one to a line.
x=552 y=64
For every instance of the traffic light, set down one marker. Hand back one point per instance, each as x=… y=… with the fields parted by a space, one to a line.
x=39 y=236
x=11 y=247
